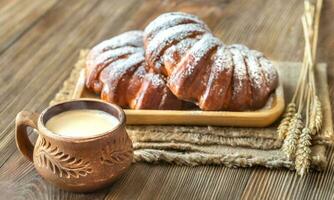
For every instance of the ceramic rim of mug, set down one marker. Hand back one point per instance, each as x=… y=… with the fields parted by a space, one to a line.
x=84 y=105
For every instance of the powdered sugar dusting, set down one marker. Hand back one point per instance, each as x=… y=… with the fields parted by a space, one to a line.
x=120 y=66
x=168 y=20
x=179 y=49
x=254 y=71
x=156 y=80
x=269 y=70
x=257 y=53
x=222 y=60
x=131 y=38
x=169 y=36
x=117 y=70
x=242 y=48
x=200 y=49
x=239 y=73
x=110 y=55
x=253 y=67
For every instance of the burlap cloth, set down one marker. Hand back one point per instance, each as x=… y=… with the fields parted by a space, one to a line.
x=230 y=146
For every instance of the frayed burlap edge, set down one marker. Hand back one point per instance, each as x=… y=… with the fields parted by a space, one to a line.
x=236 y=159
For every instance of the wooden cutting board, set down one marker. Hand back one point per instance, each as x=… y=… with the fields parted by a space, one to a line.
x=258 y=118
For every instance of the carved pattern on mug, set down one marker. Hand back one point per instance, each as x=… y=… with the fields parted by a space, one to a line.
x=60 y=163
x=116 y=152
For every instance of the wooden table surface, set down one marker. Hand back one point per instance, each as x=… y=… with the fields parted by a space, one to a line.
x=40 y=41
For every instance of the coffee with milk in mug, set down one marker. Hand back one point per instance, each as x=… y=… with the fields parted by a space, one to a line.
x=82 y=123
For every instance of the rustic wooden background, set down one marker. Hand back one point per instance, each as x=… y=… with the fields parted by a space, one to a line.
x=39 y=43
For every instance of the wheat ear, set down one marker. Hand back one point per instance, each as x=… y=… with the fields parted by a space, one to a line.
x=284 y=125
x=303 y=160
x=294 y=131
x=303 y=153
x=318 y=115
x=312 y=117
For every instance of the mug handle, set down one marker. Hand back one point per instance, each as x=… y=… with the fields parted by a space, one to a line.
x=25 y=119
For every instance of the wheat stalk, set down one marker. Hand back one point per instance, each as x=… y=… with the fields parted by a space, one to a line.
x=312 y=117
x=303 y=160
x=297 y=137
x=310 y=21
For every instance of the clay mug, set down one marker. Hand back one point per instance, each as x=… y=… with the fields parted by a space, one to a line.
x=73 y=163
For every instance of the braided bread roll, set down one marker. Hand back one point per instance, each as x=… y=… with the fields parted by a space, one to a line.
x=201 y=69
x=116 y=69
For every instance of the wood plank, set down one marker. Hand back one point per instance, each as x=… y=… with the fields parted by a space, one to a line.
x=17 y=17
x=39 y=58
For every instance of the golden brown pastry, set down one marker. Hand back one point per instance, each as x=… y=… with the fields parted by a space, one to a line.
x=116 y=70
x=201 y=69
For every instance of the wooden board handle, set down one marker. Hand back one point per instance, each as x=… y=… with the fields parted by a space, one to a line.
x=80 y=86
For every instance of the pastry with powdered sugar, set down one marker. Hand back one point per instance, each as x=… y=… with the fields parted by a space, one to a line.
x=201 y=69
x=116 y=69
